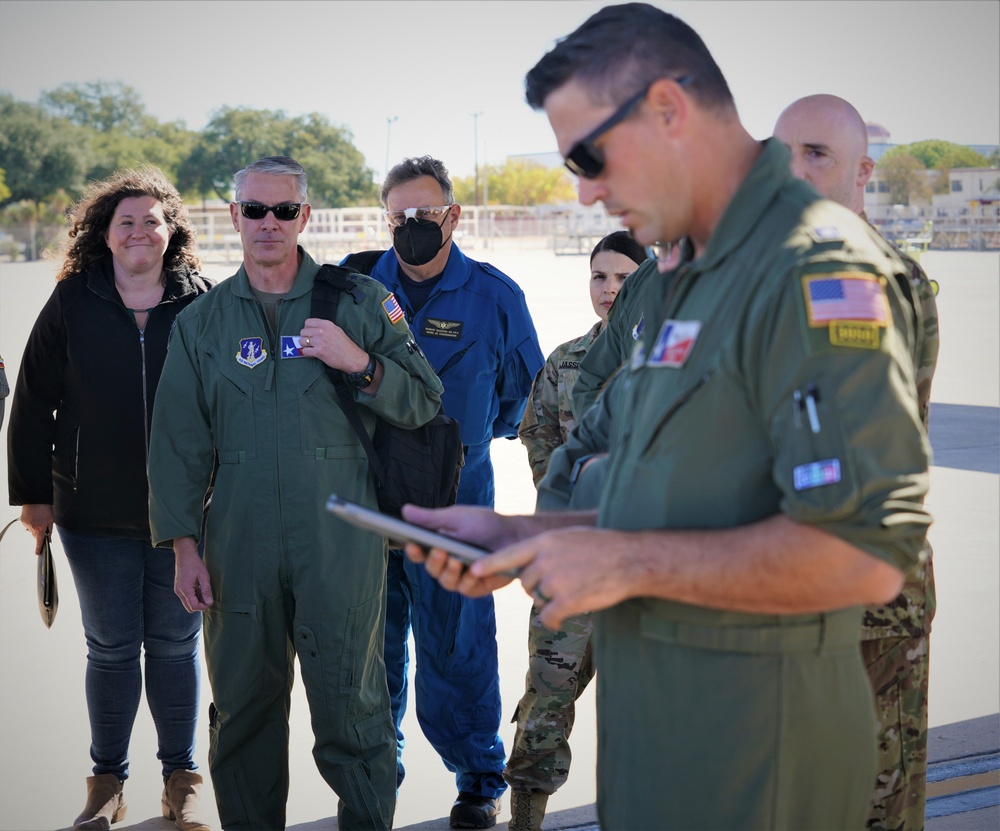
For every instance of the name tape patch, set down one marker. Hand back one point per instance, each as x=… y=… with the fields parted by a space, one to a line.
x=446 y=329
x=856 y=333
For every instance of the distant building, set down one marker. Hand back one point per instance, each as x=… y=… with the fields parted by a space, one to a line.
x=878 y=140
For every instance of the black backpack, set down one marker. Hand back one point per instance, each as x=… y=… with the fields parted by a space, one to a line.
x=422 y=465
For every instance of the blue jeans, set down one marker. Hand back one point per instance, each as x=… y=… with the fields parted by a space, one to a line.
x=127 y=601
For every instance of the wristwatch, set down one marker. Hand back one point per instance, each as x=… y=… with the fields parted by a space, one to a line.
x=360 y=380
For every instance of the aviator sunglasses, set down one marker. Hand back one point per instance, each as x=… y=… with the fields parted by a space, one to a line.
x=284 y=213
x=585 y=158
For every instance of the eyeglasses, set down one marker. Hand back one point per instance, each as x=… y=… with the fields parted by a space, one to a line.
x=397 y=218
x=585 y=158
x=284 y=213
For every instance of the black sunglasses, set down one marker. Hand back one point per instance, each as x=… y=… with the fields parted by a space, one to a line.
x=285 y=213
x=585 y=158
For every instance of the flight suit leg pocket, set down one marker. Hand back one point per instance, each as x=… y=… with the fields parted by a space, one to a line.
x=361 y=671
x=234 y=650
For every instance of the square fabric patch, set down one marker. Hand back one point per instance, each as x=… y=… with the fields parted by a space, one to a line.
x=849 y=296
x=392 y=309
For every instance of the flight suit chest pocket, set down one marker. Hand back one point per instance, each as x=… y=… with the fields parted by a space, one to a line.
x=231 y=400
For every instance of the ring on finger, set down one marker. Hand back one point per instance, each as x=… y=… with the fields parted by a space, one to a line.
x=542 y=595
x=308 y=340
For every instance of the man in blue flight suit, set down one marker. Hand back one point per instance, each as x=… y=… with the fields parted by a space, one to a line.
x=472 y=323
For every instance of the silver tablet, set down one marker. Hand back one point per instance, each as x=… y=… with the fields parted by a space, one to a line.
x=400 y=530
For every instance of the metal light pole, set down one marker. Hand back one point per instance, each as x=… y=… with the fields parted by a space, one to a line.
x=388 y=133
x=475 y=142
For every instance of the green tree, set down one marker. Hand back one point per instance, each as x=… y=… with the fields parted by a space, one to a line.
x=936 y=154
x=939 y=155
x=237 y=136
x=98 y=105
x=119 y=131
x=4 y=190
x=41 y=153
x=903 y=174
x=37 y=224
x=518 y=182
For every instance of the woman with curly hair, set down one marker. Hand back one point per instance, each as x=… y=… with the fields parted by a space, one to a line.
x=78 y=442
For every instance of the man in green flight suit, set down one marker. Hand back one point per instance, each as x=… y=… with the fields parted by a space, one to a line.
x=245 y=391
x=828 y=140
x=767 y=463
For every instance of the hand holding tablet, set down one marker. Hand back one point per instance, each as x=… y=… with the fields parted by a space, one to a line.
x=402 y=531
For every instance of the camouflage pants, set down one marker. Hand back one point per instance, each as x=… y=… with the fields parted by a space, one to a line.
x=560 y=665
x=898 y=670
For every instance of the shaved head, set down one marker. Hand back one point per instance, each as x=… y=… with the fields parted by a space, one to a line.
x=829 y=143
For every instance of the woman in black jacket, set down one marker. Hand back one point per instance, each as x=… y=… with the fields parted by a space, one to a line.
x=77 y=447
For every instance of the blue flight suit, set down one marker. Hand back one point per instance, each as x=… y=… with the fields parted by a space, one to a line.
x=477 y=333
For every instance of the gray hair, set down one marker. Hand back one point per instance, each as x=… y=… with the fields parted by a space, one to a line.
x=273 y=166
x=413 y=168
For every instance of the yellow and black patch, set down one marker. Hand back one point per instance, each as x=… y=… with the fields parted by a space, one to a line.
x=855 y=333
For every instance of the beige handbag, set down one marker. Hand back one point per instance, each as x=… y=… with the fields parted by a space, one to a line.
x=48 y=588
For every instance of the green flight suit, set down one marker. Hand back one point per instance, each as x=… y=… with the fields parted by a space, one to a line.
x=746 y=399
x=288 y=578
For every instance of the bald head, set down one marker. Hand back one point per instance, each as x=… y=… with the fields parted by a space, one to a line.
x=829 y=143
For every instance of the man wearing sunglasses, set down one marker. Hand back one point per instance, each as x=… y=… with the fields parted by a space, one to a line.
x=828 y=141
x=245 y=406
x=767 y=463
x=473 y=324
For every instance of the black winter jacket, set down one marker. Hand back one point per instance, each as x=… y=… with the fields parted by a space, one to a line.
x=78 y=436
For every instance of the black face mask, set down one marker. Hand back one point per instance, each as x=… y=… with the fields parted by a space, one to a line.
x=418 y=241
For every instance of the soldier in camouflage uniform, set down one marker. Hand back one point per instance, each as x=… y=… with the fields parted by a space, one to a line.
x=829 y=144
x=560 y=663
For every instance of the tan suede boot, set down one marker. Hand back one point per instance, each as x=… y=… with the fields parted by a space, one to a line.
x=105 y=804
x=181 y=800
x=527 y=809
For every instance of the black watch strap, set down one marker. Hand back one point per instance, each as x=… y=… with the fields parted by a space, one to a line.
x=360 y=380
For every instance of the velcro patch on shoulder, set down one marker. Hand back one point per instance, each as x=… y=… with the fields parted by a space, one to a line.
x=845 y=297
x=826 y=233
x=392 y=309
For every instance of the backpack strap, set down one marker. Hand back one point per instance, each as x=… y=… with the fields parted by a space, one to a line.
x=364 y=261
x=329 y=283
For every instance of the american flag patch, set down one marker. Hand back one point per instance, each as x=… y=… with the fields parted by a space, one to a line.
x=392 y=309
x=851 y=296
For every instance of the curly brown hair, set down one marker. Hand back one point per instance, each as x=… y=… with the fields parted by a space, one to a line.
x=90 y=218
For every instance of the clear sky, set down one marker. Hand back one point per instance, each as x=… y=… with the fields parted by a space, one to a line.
x=922 y=69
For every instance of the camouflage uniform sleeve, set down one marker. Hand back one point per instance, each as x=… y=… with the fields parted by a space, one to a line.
x=539 y=430
x=928 y=342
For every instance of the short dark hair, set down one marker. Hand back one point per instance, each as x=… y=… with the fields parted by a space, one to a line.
x=621 y=242
x=413 y=168
x=620 y=49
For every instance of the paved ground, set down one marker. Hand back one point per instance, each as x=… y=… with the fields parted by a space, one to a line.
x=43 y=725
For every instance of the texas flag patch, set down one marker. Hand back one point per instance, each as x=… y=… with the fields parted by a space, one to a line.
x=392 y=309
x=291 y=347
x=674 y=343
